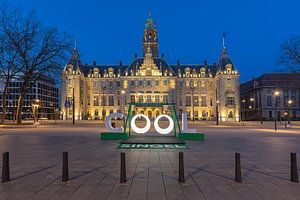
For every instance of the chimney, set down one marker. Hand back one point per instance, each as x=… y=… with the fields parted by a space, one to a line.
x=163 y=56
x=135 y=56
x=205 y=62
x=94 y=63
x=120 y=62
x=178 y=63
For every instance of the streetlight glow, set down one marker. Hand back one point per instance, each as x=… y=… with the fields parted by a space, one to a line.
x=276 y=93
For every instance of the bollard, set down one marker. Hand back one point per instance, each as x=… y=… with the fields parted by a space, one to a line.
x=238 y=171
x=294 y=169
x=65 y=168
x=5 y=168
x=181 y=168
x=123 y=168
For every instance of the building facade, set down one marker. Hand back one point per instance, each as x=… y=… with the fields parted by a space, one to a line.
x=43 y=90
x=271 y=93
x=197 y=89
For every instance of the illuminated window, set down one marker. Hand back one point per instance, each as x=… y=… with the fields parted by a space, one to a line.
x=172 y=84
x=125 y=84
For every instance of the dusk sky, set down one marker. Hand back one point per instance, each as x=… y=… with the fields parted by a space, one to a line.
x=189 y=31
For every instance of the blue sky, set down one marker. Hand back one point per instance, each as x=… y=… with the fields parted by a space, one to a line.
x=189 y=31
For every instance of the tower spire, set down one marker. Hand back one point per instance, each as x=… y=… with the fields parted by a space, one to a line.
x=223 y=40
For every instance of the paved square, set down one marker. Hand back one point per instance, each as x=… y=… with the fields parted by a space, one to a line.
x=94 y=165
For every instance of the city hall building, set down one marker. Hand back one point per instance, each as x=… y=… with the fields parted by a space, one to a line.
x=202 y=91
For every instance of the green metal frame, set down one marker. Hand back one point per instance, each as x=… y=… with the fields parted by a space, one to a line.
x=174 y=115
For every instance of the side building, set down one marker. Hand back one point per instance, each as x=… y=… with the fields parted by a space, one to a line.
x=198 y=90
x=270 y=95
x=43 y=90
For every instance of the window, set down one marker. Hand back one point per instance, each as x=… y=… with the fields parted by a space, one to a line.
x=96 y=112
x=132 y=98
x=141 y=98
x=148 y=82
x=118 y=84
x=148 y=98
x=96 y=100
x=132 y=83
x=157 y=82
x=179 y=101
x=165 y=82
x=277 y=101
x=110 y=84
x=188 y=100
x=156 y=98
x=111 y=100
x=230 y=101
x=203 y=100
x=165 y=99
x=103 y=100
x=269 y=101
x=196 y=101
x=140 y=83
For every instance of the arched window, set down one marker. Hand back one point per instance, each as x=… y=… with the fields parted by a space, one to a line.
x=96 y=112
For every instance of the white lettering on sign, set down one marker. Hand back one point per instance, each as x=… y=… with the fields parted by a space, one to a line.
x=145 y=129
x=108 y=122
x=140 y=130
x=167 y=130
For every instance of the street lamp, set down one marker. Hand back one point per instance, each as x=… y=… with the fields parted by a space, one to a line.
x=217 y=112
x=192 y=100
x=242 y=114
x=123 y=105
x=103 y=104
x=276 y=93
x=289 y=104
x=35 y=107
x=252 y=106
x=285 y=119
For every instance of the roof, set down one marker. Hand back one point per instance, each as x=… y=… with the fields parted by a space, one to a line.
x=272 y=80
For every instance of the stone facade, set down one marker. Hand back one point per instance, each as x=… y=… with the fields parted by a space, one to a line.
x=195 y=88
x=259 y=102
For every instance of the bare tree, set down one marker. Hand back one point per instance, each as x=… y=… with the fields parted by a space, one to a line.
x=290 y=54
x=8 y=57
x=41 y=50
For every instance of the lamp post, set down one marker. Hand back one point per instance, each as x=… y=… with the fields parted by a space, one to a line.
x=35 y=108
x=73 y=107
x=192 y=100
x=261 y=110
x=252 y=106
x=285 y=119
x=123 y=106
x=217 y=112
x=288 y=116
x=242 y=114
x=103 y=103
x=276 y=93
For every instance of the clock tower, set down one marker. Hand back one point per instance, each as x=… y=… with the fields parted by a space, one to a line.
x=150 y=38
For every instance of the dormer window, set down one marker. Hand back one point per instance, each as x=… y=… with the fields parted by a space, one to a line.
x=228 y=68
x=187 y=72
x=202 y=72
x=110 y=72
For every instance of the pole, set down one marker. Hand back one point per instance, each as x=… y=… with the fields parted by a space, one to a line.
x=217 y=111
x=5 y=168
x=181 y=168
x=123 y=169
x=289 y=120
x=294 y=170
x=238 y=171
x=275 y=115
x=65 y=168
x=73 y=107
x=261 y=109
